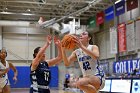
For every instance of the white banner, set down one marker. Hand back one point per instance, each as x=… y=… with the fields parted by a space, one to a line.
x=121 y=86
x=107 y=86
x=136 y=86
x=130 y=36
x=113 y=40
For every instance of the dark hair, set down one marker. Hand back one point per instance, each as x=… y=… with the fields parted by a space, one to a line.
x=90 y=41
x=5 y=51
x=36 y=50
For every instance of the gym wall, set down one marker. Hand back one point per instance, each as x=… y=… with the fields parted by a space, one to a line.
x=24 y=77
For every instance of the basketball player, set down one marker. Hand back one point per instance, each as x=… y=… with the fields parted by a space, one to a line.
x=4 y=68
x=40 y=73
x=87 y=55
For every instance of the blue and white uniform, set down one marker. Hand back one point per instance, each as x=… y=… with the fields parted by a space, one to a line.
x=89 y=66
x=4 y=79
x=40 y=78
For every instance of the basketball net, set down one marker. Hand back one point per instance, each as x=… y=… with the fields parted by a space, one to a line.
x=75 y=26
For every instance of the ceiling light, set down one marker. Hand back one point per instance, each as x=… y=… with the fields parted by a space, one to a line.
x=27 y=14
x=16 y=13
x=70 y=17
x=28 y=10
x=6 y=13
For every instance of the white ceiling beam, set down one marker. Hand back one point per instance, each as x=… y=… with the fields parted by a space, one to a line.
x=42 y=13
x=38 y=15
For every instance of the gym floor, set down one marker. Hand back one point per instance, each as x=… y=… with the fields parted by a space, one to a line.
x=27 y=91
x=52 y=91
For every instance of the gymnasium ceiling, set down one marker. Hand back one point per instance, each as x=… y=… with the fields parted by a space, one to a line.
x=31 y=10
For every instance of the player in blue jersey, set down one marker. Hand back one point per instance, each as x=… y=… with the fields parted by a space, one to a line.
x=40 y=73
x=87 y=56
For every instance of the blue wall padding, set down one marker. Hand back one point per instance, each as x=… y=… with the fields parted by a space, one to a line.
x=54 y=76
x=24 y=77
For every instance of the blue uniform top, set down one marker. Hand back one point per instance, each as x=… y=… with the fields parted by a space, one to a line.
x=42 y=75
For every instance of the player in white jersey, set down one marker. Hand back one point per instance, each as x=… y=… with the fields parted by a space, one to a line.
x=4 y=68
x=87 y=56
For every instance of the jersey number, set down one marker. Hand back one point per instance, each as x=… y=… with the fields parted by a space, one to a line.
x=46 y=74
x=86 y=65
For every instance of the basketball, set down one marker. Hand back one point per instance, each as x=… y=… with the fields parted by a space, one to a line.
x=68 y=43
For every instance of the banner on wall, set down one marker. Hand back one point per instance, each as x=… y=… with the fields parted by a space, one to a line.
x=113 y=40
x=120 y=8
x=92 y=22
x=122 y=37
x=136 y=86
x=130 y=36
x=109 y=13
x=100 y=18
x=126 y=66
x=131 y=4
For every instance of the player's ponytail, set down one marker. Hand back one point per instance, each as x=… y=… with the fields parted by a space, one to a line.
x=90 y=41
x=36 y=50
